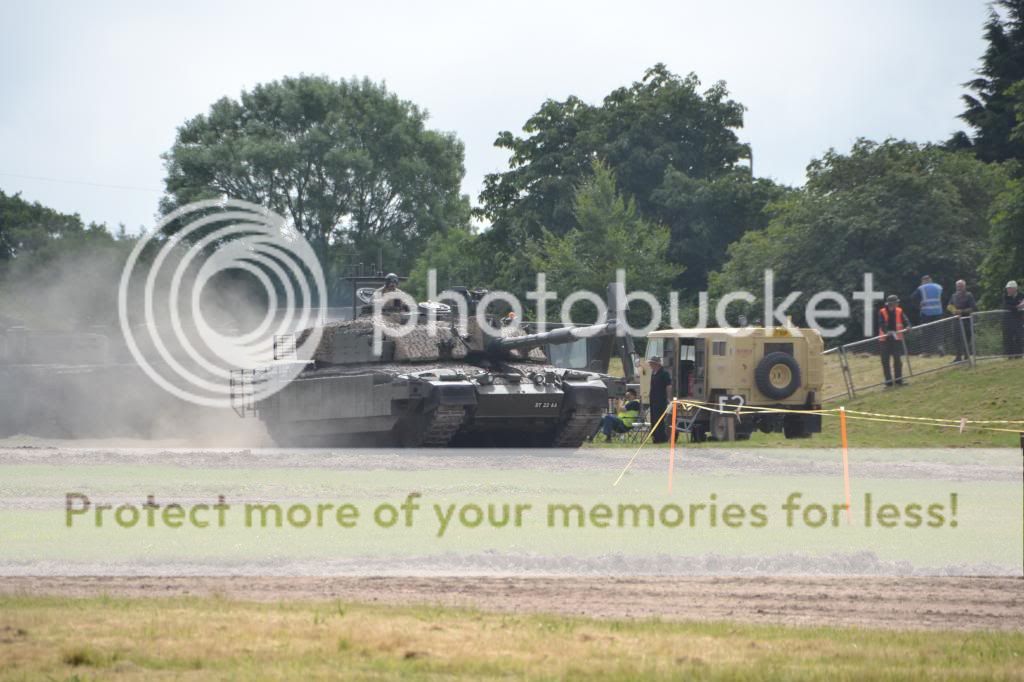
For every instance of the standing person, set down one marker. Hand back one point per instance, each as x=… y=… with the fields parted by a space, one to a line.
x=928 y=299
x=1013 y=304
x=892 y=322
x=661 y=395
x=963 y=305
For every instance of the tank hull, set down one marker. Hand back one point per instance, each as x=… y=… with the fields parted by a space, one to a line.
x=436 y=406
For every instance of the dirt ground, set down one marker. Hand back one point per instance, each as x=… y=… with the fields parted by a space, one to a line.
x=898 y=603
x=931 y=603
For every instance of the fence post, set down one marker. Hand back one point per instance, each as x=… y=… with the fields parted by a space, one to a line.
x=968 y=349
x=906 y=353
x=844 y=365
x=974 y=342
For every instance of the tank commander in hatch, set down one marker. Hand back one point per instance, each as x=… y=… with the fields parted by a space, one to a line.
x=390 y=286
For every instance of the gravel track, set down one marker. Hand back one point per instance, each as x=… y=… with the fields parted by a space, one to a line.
x=891 y=603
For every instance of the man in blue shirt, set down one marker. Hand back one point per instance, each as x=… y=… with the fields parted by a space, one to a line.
x=928 y=298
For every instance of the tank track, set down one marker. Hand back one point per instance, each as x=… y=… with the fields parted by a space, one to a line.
x=580 y=426
x=444 y=423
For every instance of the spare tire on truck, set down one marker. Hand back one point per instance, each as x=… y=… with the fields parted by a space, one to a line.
x=777 y=375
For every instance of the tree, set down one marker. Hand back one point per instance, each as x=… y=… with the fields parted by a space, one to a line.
x=992 y=110
x=706 y=216
x=352 y=166
x=895 y=209
x=610 y=235
x=673 y=150
x=458 y=258
x=55 y=271
x=1005 y=258
x=27 y=227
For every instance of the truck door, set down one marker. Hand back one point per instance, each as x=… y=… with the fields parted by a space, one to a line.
x=684 y=375
x=698 y=381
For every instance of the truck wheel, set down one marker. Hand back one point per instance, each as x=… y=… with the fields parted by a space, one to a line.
x=777 y=375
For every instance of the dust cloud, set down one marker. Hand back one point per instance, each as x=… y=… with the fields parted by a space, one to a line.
x=67 y=373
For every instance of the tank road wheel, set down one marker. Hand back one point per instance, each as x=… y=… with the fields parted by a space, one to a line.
x=777 y=375
x=581 y=424
x=434 y=429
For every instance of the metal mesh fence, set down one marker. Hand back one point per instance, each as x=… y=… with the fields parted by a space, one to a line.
x=997 y=334
x=949 y=342
x=835 y=378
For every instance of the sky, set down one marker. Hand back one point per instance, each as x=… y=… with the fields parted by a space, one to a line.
x=91 y=94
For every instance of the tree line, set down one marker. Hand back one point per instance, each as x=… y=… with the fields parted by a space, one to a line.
x=653 y=179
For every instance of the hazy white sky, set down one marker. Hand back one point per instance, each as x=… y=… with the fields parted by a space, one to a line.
x=93 y=92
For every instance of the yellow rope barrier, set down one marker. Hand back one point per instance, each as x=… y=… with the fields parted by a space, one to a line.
x=739 y=409
x=829 y=412
x=642 y=444
x=856 y=414
x=945 y=426
x=940 y=419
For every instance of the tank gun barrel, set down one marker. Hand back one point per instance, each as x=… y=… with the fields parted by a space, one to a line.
x=556 y=336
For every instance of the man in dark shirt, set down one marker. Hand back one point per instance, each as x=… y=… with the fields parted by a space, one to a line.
x=661 y=394
x=963 y=305
x=1013 y=304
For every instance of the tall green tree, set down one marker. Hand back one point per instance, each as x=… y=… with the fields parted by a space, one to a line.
x=896 y=209
x=29 y=227
x=674 y=151
x=57 y=272
x=458 y=258
x=610 y=235
x=1005 y=258
x=991 y=108
x=349 y=163
x=706 y=216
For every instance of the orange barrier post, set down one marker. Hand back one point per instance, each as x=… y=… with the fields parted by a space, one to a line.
x=846 y=463
x=672 y=446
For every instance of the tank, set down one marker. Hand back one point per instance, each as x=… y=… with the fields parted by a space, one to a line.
x=449 y=386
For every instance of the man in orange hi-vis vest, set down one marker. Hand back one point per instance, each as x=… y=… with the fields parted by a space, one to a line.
x=892 y=322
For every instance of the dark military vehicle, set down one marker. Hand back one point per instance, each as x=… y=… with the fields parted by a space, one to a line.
x=441 y=384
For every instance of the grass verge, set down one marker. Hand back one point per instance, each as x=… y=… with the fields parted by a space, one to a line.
x=190 y=638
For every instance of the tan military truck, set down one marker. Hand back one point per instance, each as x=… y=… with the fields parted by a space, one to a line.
x=728 y=369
